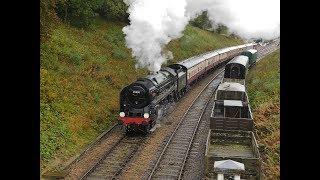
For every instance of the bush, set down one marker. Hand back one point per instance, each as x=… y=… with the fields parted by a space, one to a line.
x=79 y=13
x=54 y=134
x=48 y=18
x=221 y=29
x=202 y=21
x=119 y=54
x=76 y=58
x=114 y=10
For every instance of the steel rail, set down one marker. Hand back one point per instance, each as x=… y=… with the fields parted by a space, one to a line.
x=178 y=126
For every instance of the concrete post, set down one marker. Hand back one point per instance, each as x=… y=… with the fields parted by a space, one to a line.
x=236 y=177
x=220 y=177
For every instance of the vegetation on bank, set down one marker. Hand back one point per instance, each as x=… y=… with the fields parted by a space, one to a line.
x=82 y=72
x=84 y=64
x=263 y=86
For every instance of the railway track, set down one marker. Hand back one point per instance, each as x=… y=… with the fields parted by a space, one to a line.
x=113 y=161
x=265 y=50
x=171 y=162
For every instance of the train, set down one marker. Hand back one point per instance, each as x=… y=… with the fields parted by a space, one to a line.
x=231 y=149
x=141 y=101
x=237 y=68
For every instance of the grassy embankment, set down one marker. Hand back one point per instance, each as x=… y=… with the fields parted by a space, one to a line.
x=264 y=93
x=82 y=73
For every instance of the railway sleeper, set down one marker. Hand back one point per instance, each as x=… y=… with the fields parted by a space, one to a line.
x=175 y=167
x=175 y=154
x=95 y=177
x=172 y=160
x=182 y=138
x=181 y=141
x=174 y=151
x=178 y=148
x=171 y=171
x=165 y=175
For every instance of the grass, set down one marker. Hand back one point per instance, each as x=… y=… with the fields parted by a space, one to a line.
x=82 y=73
x=196 y=41
x=263 y=85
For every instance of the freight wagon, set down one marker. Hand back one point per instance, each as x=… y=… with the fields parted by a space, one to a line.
x=239 y=146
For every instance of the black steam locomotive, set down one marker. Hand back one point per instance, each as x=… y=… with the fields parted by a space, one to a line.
x=141 y=100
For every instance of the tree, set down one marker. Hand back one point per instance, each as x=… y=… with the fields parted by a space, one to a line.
x=115 y=10
x=221 y=29
x=48 y=18
x=79 y=13
x=202 y=21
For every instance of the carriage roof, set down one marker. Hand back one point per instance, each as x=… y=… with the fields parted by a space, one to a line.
x=192 y=61
x=231 y=86
x=243 y=60
x=252 y=51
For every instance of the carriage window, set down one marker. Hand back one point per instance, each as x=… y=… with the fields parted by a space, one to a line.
x=235 y=71
x=154 y=80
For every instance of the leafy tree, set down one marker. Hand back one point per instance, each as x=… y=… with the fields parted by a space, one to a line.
x=47 y=17
x=79 y=13
x=202 y=21
x=115 y=10
x=221 y=29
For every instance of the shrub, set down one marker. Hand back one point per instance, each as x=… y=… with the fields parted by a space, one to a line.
x=79 y=13
x=202 y=21
x=114 y=10
x=119 y=54
x=76 y=58
x=54 y=134
x=48 y=18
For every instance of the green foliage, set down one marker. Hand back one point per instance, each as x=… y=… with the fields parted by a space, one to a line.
x=79 y=13
x=263 y=87
x=202 y=21
x=54 y=133
x=82 y=73
x=196 y=41
x=264 y=81
x=114 y=10
x=119 y=54
x=221 y=29
x=76 y=58
x=48 y=18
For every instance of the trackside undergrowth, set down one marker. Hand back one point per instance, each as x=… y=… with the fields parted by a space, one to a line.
x=82 y=73
x=263 y=85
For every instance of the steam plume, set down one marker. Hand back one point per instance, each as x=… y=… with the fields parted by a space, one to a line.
x=154 y=23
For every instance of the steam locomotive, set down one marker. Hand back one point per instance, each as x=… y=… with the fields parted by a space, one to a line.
x=141 y=101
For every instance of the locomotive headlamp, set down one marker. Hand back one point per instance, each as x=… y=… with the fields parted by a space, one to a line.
x=146 y=115
x=122 y=114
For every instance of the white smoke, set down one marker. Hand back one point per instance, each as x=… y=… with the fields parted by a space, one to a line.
x=246 y=18
x=154 y=23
